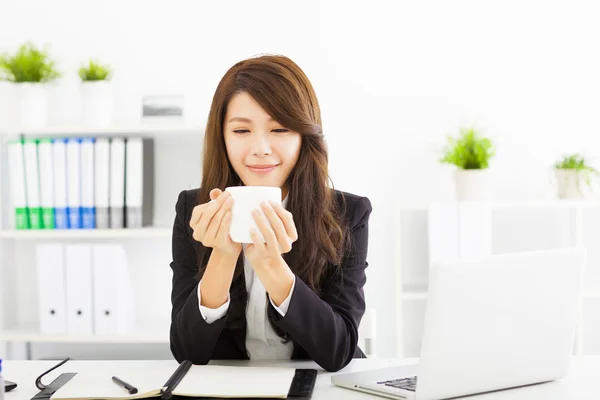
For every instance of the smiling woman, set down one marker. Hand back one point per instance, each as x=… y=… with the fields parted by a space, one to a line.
x=260 y=149
x=299 y=295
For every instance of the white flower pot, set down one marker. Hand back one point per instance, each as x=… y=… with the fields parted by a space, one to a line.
x=571 y=184
x=471 y=184
x=96 y=104
x=32 y=105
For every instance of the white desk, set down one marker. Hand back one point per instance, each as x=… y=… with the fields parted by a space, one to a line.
x=582 y=382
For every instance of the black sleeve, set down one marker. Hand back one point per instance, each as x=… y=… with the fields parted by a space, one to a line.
x=192 y=338
x=327 y=327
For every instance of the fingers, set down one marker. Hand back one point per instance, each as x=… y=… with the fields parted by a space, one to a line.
x=281 y=235
x=288 y=220
x=207 y=212
x=215 y=223
x=256 y=241
x=215 y=193
x=222 y=235
x=198 y=210
x=265 y=228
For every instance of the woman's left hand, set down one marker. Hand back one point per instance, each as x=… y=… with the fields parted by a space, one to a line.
x=278 y=228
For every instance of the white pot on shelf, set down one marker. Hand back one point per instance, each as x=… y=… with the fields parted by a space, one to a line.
x=571 y=184
x=32 y=105
x=471 y=184
x=96 y=104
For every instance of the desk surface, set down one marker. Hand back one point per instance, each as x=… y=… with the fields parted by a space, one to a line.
x=581 y=383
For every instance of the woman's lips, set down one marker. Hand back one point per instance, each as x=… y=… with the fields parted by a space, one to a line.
x=262 y=169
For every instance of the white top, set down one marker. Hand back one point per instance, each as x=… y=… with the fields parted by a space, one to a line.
x=262 y=342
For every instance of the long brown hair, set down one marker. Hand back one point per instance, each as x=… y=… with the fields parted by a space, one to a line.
x=285 y=93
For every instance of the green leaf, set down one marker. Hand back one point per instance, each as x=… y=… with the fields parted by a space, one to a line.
x=577 y=162
x=94 y=71
x=469 y=151
x=28 y=64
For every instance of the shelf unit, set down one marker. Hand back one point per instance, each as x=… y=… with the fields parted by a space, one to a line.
x=491 y=228
x=86 y=234
x=178 y=149
x=153 y=128
x=33 y=336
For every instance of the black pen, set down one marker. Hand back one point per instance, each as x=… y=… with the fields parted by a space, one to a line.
x=127 y=386
x=167 y=390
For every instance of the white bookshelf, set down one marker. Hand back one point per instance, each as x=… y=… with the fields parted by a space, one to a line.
x=60 y=234
x=177 y=157
x=154 y=128
x=33 y=336
x=496 y=228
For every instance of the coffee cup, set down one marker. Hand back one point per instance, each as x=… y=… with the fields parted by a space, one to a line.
x=245 y=199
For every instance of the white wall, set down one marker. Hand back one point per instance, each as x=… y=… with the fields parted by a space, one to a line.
x=392 y=77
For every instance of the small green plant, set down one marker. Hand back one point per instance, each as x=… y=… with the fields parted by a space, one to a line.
x=28 y=64
x=578 y=163
x=469 y=151
x=94 y=71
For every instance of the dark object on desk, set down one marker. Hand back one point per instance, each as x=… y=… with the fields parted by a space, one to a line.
x=8 y=386
x=303 y=384
x=167 y=390
x=125 y=385
x=46 y=391
x=301 y=388
x=56 y=384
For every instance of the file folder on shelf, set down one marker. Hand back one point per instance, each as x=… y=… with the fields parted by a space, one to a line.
x=88 y=211
x=32 y=183
x=78 y=272
x=74 y=183
x=113 y=290
x=50 y=267
x=102 y=181
x=59 y=159
x=117 y=183
x=46 y=182
x=16 y=178
x=139 y=182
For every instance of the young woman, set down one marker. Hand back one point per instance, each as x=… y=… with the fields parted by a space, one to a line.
x=300 y=294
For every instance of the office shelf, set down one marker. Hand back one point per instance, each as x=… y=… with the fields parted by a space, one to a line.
x=165 y=128
x=414 y=292
x=32 y=336
x=86 y=233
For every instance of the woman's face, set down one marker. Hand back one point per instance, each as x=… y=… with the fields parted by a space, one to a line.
x=261 y=150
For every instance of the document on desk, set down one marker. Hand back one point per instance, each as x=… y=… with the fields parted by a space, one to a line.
x=200 y=381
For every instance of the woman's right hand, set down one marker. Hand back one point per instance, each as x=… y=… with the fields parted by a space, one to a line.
x=211 y=221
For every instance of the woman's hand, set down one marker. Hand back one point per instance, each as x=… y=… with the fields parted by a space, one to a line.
x=211 y=221
x=278 y=228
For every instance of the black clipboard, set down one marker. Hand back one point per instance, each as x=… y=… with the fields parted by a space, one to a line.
x=301 y=388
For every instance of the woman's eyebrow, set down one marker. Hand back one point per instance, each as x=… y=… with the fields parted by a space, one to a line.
x=242 y=119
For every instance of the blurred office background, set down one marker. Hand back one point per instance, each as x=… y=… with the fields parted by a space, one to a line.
x=393 y=78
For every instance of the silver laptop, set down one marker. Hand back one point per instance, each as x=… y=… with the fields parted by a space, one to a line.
x=492 y=324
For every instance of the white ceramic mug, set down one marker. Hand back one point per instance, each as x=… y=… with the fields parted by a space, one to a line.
x=245 y=199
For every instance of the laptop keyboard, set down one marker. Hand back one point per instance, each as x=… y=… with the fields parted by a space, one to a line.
x=408 y=383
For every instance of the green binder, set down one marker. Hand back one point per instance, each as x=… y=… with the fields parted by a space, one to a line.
x=17 y=183
x=46 y=184
x=32 y=183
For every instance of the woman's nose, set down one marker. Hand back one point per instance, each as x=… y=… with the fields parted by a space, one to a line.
x=261 y=144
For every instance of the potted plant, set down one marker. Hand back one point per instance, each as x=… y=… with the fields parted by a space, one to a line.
x=30 y=68
x=470 y=153
x=96 y=95
x=571 y=172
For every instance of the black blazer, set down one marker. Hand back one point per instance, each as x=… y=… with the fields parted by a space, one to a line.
x=323 y=329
